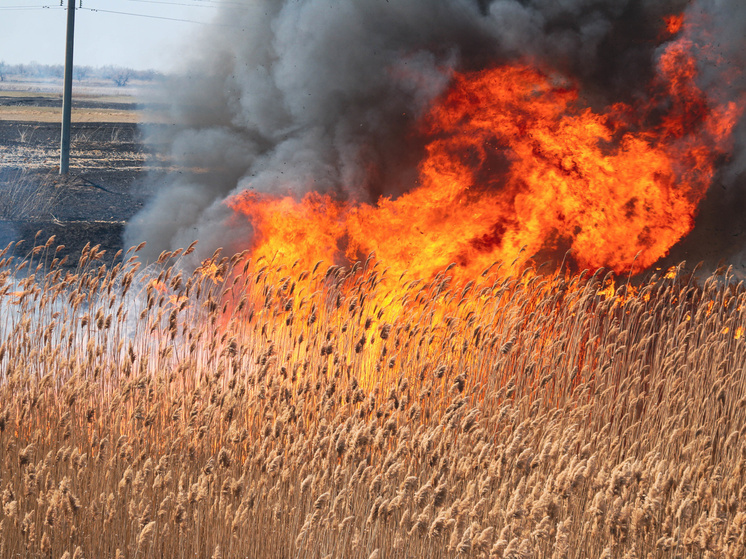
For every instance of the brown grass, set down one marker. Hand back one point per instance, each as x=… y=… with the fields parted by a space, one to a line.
x=28 y=196
x=249 y=411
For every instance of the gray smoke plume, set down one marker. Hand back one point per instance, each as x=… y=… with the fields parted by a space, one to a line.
x=324 y=95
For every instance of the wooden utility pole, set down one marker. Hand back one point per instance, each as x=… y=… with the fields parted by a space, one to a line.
x=67 y=91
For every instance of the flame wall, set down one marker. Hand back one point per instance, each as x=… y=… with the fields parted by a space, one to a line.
x=327 y=96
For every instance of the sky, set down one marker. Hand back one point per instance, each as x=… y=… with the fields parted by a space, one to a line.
x=143 y=35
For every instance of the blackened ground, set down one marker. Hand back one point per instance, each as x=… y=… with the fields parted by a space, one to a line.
x=103 y=190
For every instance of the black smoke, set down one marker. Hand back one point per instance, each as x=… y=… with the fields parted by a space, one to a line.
x=298 y=95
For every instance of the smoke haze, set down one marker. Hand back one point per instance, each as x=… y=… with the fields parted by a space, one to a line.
x=323 y=95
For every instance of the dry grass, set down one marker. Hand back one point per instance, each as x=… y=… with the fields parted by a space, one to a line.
x=27 y=196
x=245 y=411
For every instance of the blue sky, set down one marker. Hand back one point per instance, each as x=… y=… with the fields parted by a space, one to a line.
x=135 y=38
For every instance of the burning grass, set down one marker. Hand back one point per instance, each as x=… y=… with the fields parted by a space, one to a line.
x=254 y=411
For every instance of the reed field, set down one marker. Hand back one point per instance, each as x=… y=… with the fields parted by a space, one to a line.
x=254 y=410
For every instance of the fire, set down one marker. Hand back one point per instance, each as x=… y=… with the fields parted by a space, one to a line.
x=210 y=270
x=517 y=166
x=291 y=232
x=674 y=23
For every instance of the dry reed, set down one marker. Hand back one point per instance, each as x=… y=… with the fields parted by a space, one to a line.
x=250 y=410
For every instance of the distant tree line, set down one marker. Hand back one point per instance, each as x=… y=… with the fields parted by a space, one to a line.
x=119 y=75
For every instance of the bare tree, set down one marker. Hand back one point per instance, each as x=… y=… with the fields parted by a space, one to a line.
x=120 y=76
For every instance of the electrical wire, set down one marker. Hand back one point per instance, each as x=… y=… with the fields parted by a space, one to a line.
x=225 y=2
x=147 y=16
x=30 y=8
x=192 y=5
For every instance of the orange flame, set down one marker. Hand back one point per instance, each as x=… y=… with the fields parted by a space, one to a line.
x=674 y=23
x=517 y=166
x=210 y=271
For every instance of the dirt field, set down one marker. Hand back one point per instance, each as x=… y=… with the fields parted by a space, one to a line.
x=108 y=163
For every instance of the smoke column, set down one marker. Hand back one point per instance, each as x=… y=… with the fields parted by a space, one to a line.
x=294 y=96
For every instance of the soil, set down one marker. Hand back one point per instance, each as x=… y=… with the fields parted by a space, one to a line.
x=105 y=187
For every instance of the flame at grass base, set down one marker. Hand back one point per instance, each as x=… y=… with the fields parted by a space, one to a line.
x=516 y=165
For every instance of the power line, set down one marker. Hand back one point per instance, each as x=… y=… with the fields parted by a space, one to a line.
x=192 y=5
x=161 y=17
x=47 y=7
x=211 y=4
x=147 y=16
x=31 y=8
x=225 y=2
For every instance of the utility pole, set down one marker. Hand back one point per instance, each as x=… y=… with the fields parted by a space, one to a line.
x=67 y=91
